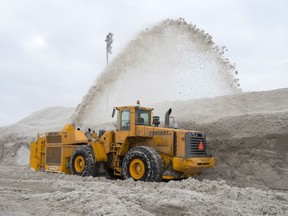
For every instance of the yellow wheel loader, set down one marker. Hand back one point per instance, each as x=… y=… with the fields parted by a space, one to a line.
x=138 y=148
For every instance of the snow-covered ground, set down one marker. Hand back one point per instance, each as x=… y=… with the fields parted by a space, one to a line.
x=24 y=192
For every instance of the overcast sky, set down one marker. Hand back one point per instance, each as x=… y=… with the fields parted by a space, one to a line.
x=51 y=51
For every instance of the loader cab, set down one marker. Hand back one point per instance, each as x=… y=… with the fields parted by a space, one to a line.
x=130 y=116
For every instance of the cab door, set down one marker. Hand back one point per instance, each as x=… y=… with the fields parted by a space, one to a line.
x=123 y=128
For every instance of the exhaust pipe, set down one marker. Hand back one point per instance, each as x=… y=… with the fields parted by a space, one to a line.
x=167 y=117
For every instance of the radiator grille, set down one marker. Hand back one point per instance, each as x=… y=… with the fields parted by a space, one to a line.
x=53 y=137
x=192 y=142
x=53 y=155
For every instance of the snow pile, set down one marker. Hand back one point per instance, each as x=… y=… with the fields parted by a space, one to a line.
x=171 y=61
x=15 y=139
x=247 y=133
x=24 y=192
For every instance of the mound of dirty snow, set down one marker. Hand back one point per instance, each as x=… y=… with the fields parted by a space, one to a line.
x=247 y=133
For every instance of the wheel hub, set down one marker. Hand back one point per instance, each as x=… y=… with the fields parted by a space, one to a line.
x=137 y=169
x=79 y=163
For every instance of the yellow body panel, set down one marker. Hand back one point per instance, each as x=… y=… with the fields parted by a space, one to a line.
x=34 y=161
x=37 y=153
x=75 y=136
x=67 y=151
x=53 y=168
x=68 y=127
x=107 y=139
x=99 y=151
x=192 y=165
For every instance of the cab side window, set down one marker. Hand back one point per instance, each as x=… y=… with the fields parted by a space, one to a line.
x=143 y=117
x=125 y=120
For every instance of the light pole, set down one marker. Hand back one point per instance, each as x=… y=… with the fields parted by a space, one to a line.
x=109 y=41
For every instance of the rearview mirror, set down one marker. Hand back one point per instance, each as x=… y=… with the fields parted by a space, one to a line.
x=113 y=112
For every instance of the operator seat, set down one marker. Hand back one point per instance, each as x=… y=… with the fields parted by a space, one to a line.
x=140 y=121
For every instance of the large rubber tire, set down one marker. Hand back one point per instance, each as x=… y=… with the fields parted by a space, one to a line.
x=82 y=161
x=143 y=163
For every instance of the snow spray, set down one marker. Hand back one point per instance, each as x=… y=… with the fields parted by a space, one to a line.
x=171 y=61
